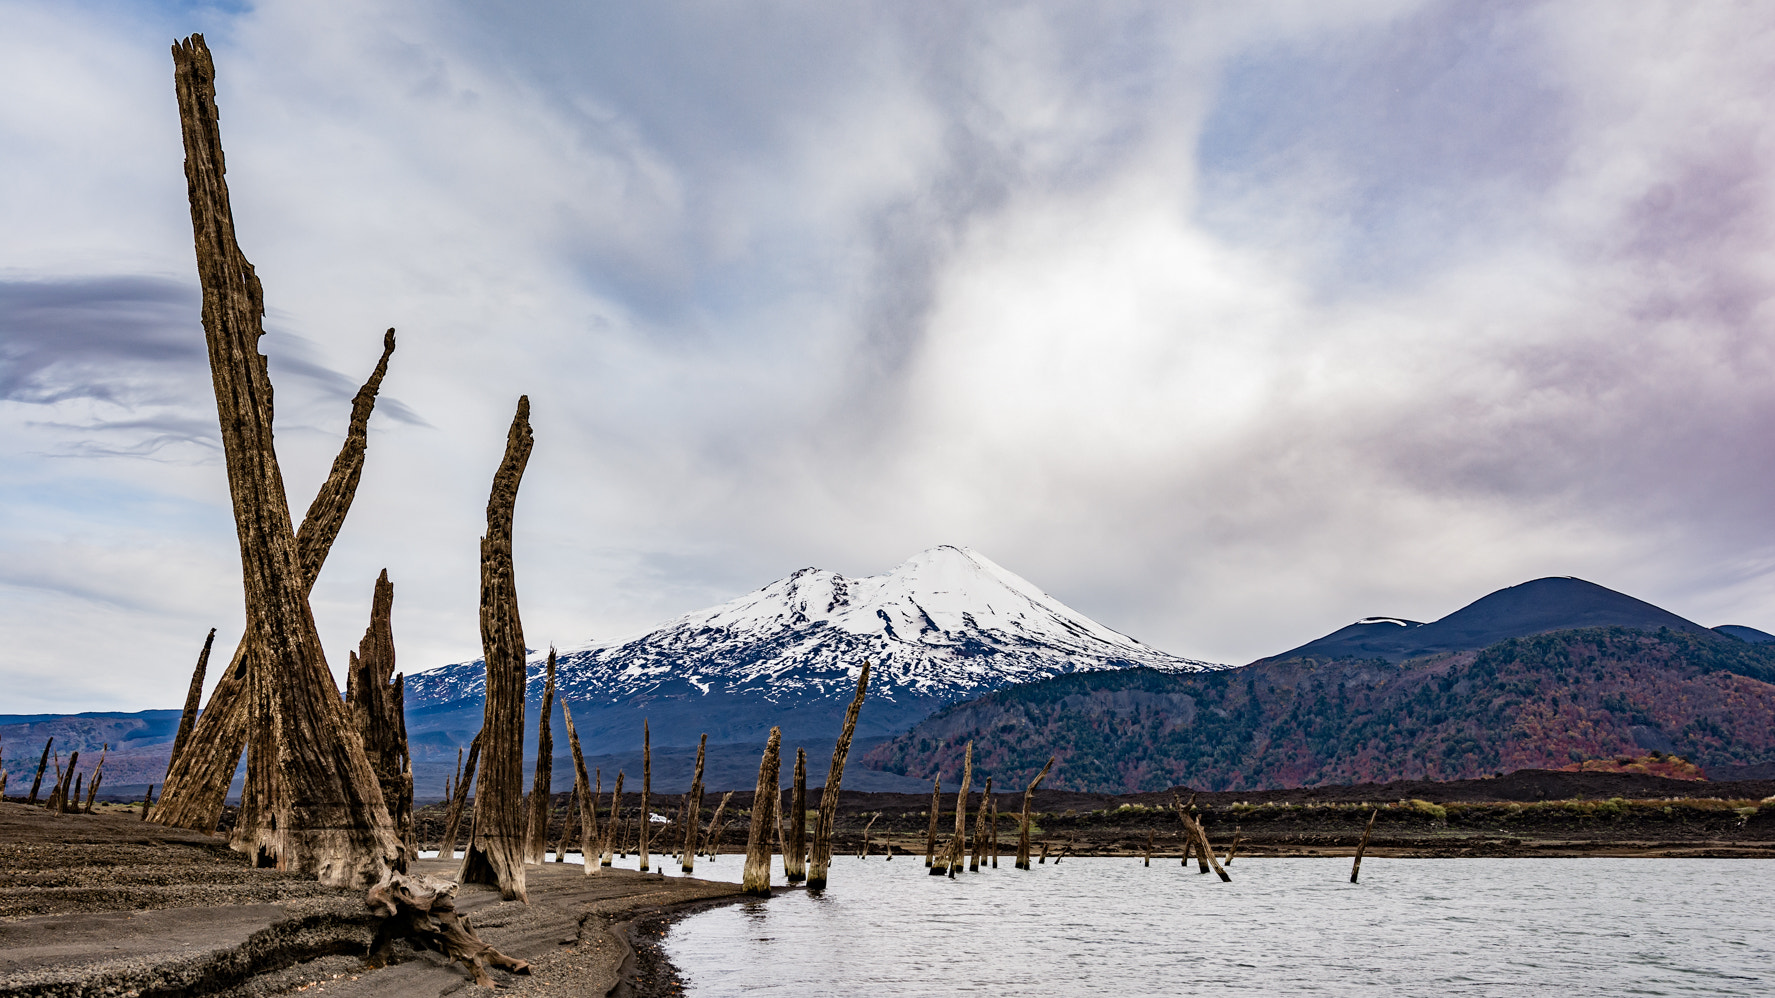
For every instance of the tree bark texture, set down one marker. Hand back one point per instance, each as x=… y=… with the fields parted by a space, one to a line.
x=795 y=856
x=820 y=854
x=453 y=819
x=1023 y=824
x=375 y=698
x=755 y=879
x=693 y=811
x=960 y=842
x=495 y=853
x=543 y=785
x=193 y=698
x=646 y=788
x=588 y=797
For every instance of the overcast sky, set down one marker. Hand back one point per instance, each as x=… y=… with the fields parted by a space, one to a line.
x=1226 y=324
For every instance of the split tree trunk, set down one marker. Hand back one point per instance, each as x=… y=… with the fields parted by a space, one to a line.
x=1362 y=847
x=756 y=877
x=693 y=812
x=588 y=795
x=607 y=855
x=1023 y=825
x=376 y=699
x=495 y=853
x=453 y=820
x=646 y=789
x=930 y=835
x=959 y=844
x=1203 y=849
x=821 y=852
x=193 y=697
x=980 y=829
x=795 y=858
x=543 y=784
x=715 y=826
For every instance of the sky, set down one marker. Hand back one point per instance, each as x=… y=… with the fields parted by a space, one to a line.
x=1225 y=324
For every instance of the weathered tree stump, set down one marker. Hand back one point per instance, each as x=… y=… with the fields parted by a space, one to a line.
x=979 y=849
x=930 y=835
x=820 y=854
x=588 y=795
x=495 y=853
x=458 y=803
x=1362 y=847
x=567 y=822
x=37 y=784
x=693 y=811
x=423 y=909
x=613 y=827
x=1023 y=823
x=646 y=789
x=715 y=826
x=1203 y=850
x=959 y=843
x=543 y=784
x=755 y=879
x=795 y=856
x=375 y=699
x=193 y=698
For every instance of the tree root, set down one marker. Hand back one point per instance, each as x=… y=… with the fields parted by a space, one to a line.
x=422 y=909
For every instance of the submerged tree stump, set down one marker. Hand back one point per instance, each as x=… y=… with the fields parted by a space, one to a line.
x=930 y=835
x=693 y=811
x=495 y=853
x=820 y=854
x=1204 y=851
x=755 y=879
x=795 y=855
x=959 y=843
x=542 y=786
x=979 y=850
x=1362 y=847
x=1023 y=823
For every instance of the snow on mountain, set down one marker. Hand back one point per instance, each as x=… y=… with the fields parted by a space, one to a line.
x=947 y=625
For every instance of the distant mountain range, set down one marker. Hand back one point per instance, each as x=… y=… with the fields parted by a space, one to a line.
x=1535 y=676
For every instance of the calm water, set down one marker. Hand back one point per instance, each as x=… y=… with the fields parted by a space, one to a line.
x=1283 y=926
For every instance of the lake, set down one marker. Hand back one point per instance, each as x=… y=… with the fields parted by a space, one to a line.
x=1283 y=926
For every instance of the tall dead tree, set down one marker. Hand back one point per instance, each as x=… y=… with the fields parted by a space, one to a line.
x=930 y=835
x=646 y=788
x=543 y=785
x=820 y=852
x=193 y=697
x=795 y=851
x=37 y=784
x=693 y=808
x=607 y=855
x=588 y=797
x=567 y=824
x=959 y=843
x=495 y=853
x=756 y=877
x=714 y=840
x=375 y=698
x=979 y=849
x=453 y=819
x=1023 y=823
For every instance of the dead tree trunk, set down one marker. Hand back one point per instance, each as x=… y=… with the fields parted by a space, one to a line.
x=37 y=784
x=795 y=858
x=98 y=773
x=756 y=877
x=424 y=909
x=1203 y=849
x=567 y=822
x=542 y=786
x=821 y=853
x=193 y=697
x=980 y=829
x=1362 y=847
x=693 y=812
x=607 y=855
x=147 y=801
x=453 y=819
x=1149 y=850
x=959 y=844
x=1023 y=824
x=995 y=833
x=646 y=788
x=1231 y=850
x=588 y=796
x=375 y=700
x=715 y=826
x=930 y=835
x=495 y=853
x=863 y=853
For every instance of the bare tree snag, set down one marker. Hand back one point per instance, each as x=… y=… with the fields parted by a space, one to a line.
x=693 y=811
x=37 y=784
x=567 y=822
x=980 y=828
x=423 y=909
x=147 y=801
x=1044 y=858
x=588 y=797
x=820 y=854
x=1189 y=846
x=715 y=826
x=495 y=853
x=453 y=819
x=1149 y=849
x=98 y=774
x=375 y=699
x=543 y=784
x=591 y=815
x=1194 y=829
x=1023 y=824
x=756 y=877
x=863 y=853
x=606 y=856
x=1362 y=847
x=1231 y=850
x=930 y=835
x=58 y=799
x=994 y=833
x=959 y=843
x=193 y=698
x=646 y=788
x=795 y=855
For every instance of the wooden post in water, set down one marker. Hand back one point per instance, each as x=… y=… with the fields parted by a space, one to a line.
x=1361 y=847
x=1044 y=858
x=1149 y=849
x=607 y=856
x=1192 y=827
x=1231 y=849
x=1189 y=846
x=820 y=856
x=37 y=784
x=864 y=852
x=1023 y=824
x=193 y=698
x=980 y=828
x=693 y=812
x=930 y=835
x=960 y=843
x=756 y=877
x=453 y=818
x=795 y=859
x=542 y=784
x=994 y=833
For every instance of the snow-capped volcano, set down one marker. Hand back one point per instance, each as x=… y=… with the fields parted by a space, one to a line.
x=947 y=625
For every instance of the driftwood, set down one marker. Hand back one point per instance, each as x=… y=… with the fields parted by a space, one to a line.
x=423 y=909
x=193 y=698
x=715 y=826
x=820 y=853
x=542 y=786
x=606 y=855
x=1023 y=823
x=37 y=784
x=959 y=844
x=375 y=698
x=1203 y=850
x=756 y=877
x=495 y=853
x=930 y=835
x=646 y=788
x=693 y=812
x=453 y=819
x=795 y=857
x=1362 y=847
x=587 y=794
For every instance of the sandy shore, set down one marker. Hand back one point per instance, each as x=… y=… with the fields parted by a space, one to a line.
x=110 y=905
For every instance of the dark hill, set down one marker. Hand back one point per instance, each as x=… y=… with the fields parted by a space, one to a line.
x=1538 y=607
x=1538 y=702
x=1749 y=634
